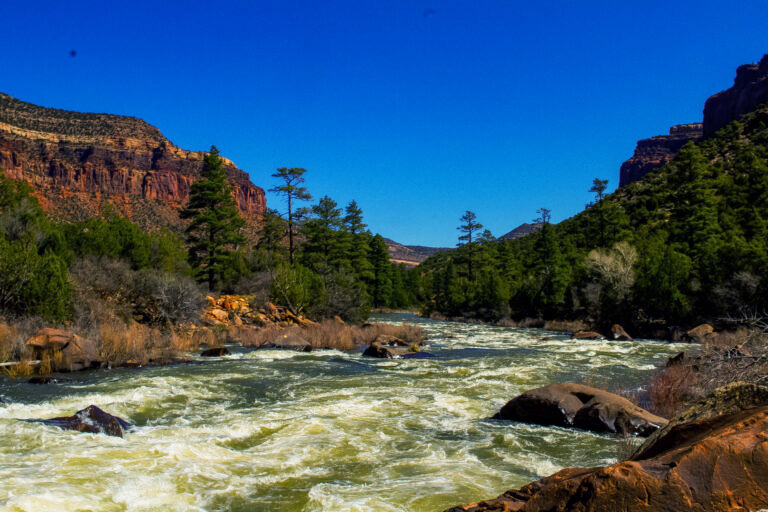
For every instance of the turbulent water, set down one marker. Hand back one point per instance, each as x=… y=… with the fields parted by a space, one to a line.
x=323 y=431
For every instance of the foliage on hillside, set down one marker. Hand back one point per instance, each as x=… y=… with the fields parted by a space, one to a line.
x=687 y=243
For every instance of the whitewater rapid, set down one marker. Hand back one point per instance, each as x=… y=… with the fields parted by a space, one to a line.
x=322 y=431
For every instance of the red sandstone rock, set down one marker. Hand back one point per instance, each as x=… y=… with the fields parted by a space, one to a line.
x=651 y=154
x=79 y=162
x=712 y=458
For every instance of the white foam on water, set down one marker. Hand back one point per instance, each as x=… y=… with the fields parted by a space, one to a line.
x=324 y=431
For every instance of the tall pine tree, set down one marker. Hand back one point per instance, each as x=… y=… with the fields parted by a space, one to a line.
x=214 y=232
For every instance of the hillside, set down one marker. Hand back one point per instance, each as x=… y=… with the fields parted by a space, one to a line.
x=686 y=244
x=522 y=230
x=410 y=255
x=80 y=162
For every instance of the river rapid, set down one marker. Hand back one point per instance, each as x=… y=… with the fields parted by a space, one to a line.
x=270 y=430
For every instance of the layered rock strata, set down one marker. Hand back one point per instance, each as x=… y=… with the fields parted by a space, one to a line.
x=79 y=162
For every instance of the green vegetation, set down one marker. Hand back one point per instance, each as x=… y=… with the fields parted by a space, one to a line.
x=688 y=243
x=106 y=270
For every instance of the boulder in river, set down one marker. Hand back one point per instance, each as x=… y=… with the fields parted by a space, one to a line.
x=579 y=406
x=712 y=457
x=619 y=333
x=91 y=419
x=390 y=347
x=47 y=380
x=215 y=352
x=587 y=335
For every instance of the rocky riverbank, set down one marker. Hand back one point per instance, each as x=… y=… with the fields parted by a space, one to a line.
x=712 y=457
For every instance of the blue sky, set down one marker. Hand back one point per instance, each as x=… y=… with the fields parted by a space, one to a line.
x=418 y=110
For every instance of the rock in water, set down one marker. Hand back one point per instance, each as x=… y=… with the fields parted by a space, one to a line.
x=91 y=419
x=585 y=407
x=215 y=352
x=711 y=458
x=587 y=335
x=619 y=333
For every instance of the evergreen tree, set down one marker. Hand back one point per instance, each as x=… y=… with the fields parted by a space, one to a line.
x=271 y=236
x=381 y=285
x=469 y=227
x=598 y=188
x=214 y=231
x=325 y=245
x=293 y=191
x=359 y=243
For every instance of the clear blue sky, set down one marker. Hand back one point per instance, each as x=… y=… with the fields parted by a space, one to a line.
x=418 y=110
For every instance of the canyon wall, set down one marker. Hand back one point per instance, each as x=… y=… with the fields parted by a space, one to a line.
x=749 y=91
x=78 y=163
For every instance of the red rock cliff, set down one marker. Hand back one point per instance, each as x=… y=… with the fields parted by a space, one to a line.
x=79 y=162
x=749 y=90
x=653 y=153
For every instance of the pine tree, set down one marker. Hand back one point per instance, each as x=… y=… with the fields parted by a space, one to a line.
x=359 y=243
x=293 y=191
x=381 y=285
x=598 y=188
x=469 y=227
x=325 y=243
x=271 y=236
x=214 y=232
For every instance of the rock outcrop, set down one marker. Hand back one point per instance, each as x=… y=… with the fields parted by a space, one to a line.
x=651 y=154
x=236 y=311
x=66 y=351
x=711 y=458
x=579 y=406
x=92 y=420
x=79 y=162
x=749 y=90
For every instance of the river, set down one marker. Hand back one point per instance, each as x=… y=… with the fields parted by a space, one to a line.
x=270 y=430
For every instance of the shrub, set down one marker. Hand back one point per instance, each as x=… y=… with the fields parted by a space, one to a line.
x=295 y=287
x=673 y=388
x=162 y=298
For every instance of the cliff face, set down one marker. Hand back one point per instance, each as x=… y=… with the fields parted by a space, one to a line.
x=80 y=162
x=653 y=153
x=749 y=90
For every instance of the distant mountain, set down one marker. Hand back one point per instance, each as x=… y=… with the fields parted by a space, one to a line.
x=80 y=162
x=410 y=255
x=521 y=231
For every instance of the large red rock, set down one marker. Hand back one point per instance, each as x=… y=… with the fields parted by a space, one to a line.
x=579 y=406
x=78 y=162
x=711 y=458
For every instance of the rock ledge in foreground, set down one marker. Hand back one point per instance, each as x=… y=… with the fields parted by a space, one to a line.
x=711 y=458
